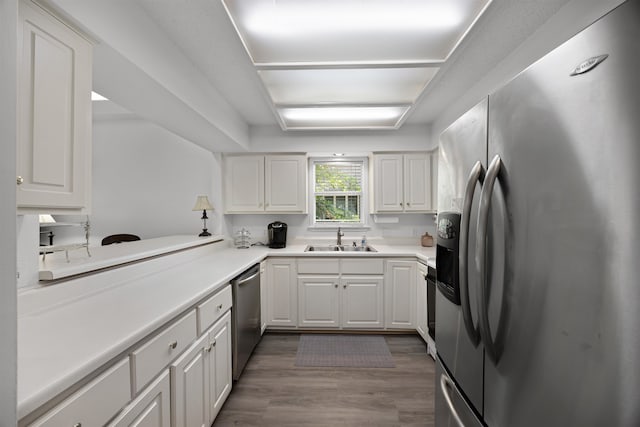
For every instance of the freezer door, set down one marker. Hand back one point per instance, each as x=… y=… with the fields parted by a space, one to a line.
x=462 y=146
x=452 y=409
x=564 y=265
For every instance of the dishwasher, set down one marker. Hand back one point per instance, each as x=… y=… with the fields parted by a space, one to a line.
x=245 y=318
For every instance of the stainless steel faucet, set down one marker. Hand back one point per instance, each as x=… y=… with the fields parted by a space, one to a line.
x=339 y=237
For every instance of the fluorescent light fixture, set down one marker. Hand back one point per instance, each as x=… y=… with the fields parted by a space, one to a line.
x=352 y=31
x=347 y=86
x=95 y=96
x=340 y=64
x=342 y=117
x=287 y=19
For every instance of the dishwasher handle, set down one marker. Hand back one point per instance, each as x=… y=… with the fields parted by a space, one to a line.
x=244 y=280
x=247 y=275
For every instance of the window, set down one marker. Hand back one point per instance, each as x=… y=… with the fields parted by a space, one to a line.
x=338 y=192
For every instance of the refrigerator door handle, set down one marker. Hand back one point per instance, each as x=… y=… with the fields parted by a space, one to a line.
x=446 y=385
x=476 y=175
x=481 y=257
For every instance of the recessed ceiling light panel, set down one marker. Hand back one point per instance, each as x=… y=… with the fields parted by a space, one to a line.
x=379 y=117
x=347 y=86
x=352 y=31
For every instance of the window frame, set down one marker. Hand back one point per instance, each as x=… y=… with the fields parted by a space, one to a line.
x=364 y=198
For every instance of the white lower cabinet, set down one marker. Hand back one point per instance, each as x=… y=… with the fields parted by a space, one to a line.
x=340 y=293
x=263 y=296
x=201 y=377
x=282 y=291
x=319 y=301
x=422 y=320
x=219 y=359
x=400 y=294
x=189 y=386
x=151 y=408
x=362 y=302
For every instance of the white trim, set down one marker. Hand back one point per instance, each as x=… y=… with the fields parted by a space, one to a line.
x=364 y=198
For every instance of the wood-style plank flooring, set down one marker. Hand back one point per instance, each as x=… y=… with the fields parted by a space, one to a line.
x=272 y=391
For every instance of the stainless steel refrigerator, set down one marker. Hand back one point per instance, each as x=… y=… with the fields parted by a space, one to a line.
x=538 y=256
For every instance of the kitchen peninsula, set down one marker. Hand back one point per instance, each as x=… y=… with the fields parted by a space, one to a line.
x=73 y=331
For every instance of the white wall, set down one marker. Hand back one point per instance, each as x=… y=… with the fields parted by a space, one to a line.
x=408 y=229
x=145 y=182
x=568 y=21
x=407 y=138
x=8 y=319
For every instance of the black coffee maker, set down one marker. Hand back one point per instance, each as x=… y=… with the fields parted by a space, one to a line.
x=277 y=234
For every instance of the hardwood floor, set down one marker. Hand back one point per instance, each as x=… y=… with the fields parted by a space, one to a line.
x=274 y=392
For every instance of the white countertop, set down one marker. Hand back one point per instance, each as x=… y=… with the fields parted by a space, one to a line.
x=55 y=265
x=69 y=329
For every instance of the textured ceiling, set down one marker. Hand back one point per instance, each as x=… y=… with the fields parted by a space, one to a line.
x=203 y=31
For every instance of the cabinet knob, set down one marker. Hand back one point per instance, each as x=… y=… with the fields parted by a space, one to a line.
x=208 y=349
x=408 y=204
x=220 y=307
x=19 y=181
x=266 y=205
x=344 y=286
x=335 y=285
x=173 y=345
x=213 y=344
x=400 y=203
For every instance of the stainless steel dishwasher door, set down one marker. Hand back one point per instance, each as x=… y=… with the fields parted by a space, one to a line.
x=245 y=317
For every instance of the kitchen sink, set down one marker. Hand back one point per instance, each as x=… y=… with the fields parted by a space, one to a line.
x=335 y=248
x=357 y=249
x=313 y=248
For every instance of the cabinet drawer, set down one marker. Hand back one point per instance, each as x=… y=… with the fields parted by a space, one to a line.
x=210 y=310
x=95 y=403
x=363 y=266
x=151 y=407
x=319 y=266
x=157 y=353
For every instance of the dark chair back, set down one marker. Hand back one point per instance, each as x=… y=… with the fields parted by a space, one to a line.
x=118 y=238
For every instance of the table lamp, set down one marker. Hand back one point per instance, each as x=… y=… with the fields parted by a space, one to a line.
x=202 y=204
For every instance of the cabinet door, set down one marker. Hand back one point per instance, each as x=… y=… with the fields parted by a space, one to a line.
x=151 y=408
x=434 y=179
x=388 y=193
x=362 y=302
x=219 y=360
x=286 y=183
x=400 y=294
x=422 y=321
x=417 y=182
x=263 y=296
x=54 y=113
x=190 y=386
x=318 y=301
x=282 y=299
x=244 y=184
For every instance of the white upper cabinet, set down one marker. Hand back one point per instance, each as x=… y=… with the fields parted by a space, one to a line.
x=402 y=183
x=272 y=183
x=244 y=183
x=285 y=183
x=388 y=194
x=54 y=114
x=417 y=182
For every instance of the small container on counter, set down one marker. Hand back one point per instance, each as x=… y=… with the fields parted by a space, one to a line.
x=242 y=239
x=426 y=240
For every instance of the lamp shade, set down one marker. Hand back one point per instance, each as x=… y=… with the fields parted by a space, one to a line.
x=202 y=203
